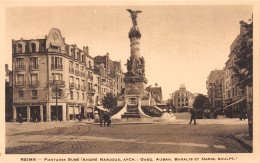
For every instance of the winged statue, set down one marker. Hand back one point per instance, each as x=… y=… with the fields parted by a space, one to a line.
x=134 y=15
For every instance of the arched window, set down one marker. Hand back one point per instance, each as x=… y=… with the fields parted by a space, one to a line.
x=33 y=46
x=19 y=48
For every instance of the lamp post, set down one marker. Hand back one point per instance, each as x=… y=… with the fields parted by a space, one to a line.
x=56 y=83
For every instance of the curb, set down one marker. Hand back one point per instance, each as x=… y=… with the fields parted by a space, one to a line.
x=239 y=139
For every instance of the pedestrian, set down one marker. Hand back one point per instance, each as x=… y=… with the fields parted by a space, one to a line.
x=20 y=118
x=193 y=116
x=106 y=119
x=215 y=115
x=101 y=120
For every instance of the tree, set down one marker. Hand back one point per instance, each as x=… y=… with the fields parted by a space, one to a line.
x=201 y=101
x=109 y=101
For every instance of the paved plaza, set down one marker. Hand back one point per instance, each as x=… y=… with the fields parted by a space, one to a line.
x=208 y=136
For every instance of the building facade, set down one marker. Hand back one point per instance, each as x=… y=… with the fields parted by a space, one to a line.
x=214 y=90
x=50 y=79
x=182 y=99
x=234 y=97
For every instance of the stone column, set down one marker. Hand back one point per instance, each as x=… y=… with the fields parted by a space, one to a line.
x=67 y=113
x=48 y=113
x=14 y=114
x=41 y=113
x=28 y=113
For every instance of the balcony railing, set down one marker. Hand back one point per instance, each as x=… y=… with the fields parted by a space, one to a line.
x=83 y=74
x=34 y=83
x=77 y=87
x=34 y=97
x=72 y=85
x=71 y=70
x=56 y=67
x=77 y=72
x=57 y=82
x=83 y=88
x=20 y=83
x=34 y=67
x=20 y=67
x=91 y=91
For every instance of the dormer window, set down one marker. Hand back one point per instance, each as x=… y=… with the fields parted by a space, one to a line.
x=82 y=58
x=19 y=48
x=33 y=46
x=78 y=56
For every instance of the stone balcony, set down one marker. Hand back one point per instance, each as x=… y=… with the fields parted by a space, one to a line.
x=56 y=67
x=72 y=85
x=33 y=67
x=34 y=84
x=20 y=67
x=59 y=83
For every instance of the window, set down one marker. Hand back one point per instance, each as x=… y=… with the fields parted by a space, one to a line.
x=71 y=95
x=59 y=93
x=20 y=80
x=78 y=55
x=71 y=80
x=34 y=79
x=34 y=63
x=20 y=64
x=19 y=48
x=57 y=76
x=83 y=96
x=77 y=95
x=34 y=94
x=71 y=64
x=82 y=58
x=56 y=63
x=72 y=52
x=83 y=83
x=33 y=46
x=20 y=94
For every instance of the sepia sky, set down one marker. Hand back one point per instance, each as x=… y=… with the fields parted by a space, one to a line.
x=180 y=44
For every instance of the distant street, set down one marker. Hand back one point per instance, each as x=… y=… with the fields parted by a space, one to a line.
x=79 y=138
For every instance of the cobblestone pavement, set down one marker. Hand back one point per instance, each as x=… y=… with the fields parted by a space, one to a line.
x=77 y=138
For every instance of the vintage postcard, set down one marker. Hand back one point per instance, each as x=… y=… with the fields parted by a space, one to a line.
x=94 y=81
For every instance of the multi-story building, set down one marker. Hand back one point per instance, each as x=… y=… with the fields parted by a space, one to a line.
x=111 y=75
x=214 y=90
x=118 y=76
x=234 y=97
x=8 y=94
x=181 y=99
x=50 y=78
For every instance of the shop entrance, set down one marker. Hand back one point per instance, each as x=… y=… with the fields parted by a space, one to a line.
x=82 y=112
x=35 y=114
x=23 y=112
x=56 y=113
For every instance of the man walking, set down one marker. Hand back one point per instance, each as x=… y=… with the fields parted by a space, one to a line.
x=193 y=116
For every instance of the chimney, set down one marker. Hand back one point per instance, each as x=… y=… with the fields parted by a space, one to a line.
x=85 y=49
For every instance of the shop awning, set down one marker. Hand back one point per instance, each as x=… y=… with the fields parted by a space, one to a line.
x=101 y=108
x=242 y=99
